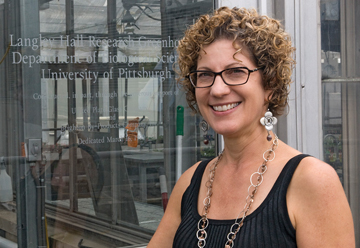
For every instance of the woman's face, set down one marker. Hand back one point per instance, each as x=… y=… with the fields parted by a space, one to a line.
x=231 y=110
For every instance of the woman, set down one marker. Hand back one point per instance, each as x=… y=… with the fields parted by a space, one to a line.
x=236 y=69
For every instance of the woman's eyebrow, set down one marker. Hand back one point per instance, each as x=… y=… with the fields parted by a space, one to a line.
x=232 y=65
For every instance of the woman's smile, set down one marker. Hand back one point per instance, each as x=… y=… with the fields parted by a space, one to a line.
x=225 y=107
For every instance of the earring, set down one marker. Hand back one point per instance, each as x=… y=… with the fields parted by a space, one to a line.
x=268 y=121
x=205 y=127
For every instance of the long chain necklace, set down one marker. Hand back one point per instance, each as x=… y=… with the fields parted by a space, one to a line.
x=203 y=223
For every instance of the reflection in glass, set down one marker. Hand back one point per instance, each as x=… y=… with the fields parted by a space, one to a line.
x=124 y=85
x=104 y=86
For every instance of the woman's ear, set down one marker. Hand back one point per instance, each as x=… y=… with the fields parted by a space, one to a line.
x=268 y=95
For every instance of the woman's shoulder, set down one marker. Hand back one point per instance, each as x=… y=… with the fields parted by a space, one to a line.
x=313 y=172
x=309 y=169
x=318 y=206
x=311 y=175
x=315 y=181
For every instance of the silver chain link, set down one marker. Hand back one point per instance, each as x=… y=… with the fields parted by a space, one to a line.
x=203 y=223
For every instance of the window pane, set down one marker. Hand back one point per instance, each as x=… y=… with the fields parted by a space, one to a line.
x=341 y=88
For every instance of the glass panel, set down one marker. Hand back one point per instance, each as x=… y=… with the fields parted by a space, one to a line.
x=341 y=87
x=332 y=121
x=95 y=129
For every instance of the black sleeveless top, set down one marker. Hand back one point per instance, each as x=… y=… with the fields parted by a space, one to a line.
x=268 y=226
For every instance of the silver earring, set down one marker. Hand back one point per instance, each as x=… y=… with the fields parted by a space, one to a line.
x=205 y=127
x=268 y=121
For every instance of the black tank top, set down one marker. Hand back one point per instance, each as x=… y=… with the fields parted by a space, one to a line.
x=268 y=226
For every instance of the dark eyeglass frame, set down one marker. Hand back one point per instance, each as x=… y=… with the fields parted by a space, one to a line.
x=220 y=74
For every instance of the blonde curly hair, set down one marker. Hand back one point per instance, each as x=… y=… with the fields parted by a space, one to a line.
x=264 y=37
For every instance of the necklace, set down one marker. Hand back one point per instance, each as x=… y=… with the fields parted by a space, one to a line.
x=201 y=234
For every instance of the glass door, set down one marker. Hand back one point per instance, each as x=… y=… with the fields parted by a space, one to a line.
x=95 y=129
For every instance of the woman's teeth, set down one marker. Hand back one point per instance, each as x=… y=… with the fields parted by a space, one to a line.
x=225 y=107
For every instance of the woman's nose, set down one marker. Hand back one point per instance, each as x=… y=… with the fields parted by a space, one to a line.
x=219 y=88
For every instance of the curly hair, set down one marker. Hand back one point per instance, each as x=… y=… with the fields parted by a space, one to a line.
x=265 y=39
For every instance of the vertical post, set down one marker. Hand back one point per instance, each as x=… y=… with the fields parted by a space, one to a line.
x=73 y=189
x=22 y=20
x=114 y=132
x=85 y=104
x=13 y=73
x=168 y=109
x=179 y=137
x=350 y=110
x=126 y=103
x=55 y=110
x=3 y=49
x=94 y=102
x=123 y=207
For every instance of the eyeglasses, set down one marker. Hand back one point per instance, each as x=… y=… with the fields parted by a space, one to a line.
x=230 y=76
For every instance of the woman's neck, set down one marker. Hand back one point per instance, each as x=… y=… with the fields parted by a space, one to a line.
x=245 y=150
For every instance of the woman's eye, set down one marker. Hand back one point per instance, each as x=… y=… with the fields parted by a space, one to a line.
x=236 y=71
x=204 y=74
